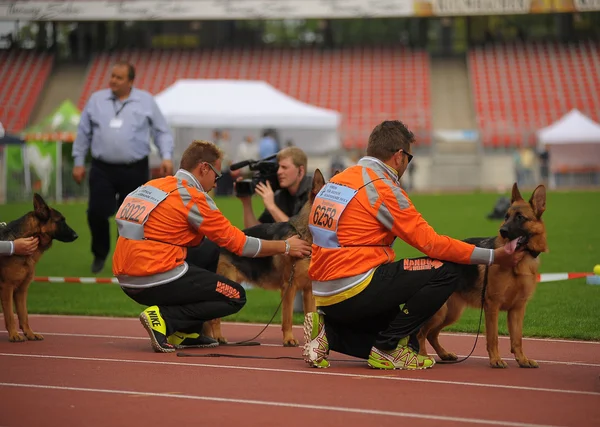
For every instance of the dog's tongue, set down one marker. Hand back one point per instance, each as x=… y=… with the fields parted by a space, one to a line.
x=511 y=246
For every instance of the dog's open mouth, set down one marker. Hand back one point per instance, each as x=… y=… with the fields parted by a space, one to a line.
x=515 y=244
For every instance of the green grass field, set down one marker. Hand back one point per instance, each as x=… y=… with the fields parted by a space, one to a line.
x=567 y=309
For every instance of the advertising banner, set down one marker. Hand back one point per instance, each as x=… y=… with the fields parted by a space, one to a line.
x=144 y=10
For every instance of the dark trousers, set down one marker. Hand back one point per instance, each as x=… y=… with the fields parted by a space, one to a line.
x=199 y=295
x=109 y=185
x=374 y=317
x=225 y=185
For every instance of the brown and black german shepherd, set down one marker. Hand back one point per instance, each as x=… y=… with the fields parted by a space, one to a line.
x=274 y=272
x=17 y=271
x=508 y=289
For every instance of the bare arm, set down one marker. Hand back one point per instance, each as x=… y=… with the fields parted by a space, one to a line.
x=249 y=217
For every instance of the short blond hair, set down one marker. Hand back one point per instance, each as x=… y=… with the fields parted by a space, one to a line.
x=296 y=154
x=200 y=151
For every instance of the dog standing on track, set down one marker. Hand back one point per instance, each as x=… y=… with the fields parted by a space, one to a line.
x=508 y=289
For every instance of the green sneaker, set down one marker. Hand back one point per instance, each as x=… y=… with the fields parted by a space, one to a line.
x=402 y=357
x=193 y=340
x=316 y=347
x=157 y=329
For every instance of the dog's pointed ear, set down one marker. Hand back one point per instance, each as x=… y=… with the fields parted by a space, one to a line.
x=40 y=208
x=335 y=172
x=318 y=182
x=538 y=200
x=516 y=194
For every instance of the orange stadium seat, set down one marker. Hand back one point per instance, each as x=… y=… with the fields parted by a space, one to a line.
x=520 y=88
x=22 y=78
x=366 y=85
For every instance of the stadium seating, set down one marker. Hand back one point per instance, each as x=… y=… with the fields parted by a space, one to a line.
x=520 y=88
x=366 y=85
x=22 y=78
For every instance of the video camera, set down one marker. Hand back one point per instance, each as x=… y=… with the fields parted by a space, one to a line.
x=264 y=170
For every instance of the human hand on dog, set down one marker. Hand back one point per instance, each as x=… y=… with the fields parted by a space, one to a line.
x=25 y=246
x=298 y=247
x=506 y=258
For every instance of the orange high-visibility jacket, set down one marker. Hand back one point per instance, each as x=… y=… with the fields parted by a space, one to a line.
x=379 y=212
x=151 y=249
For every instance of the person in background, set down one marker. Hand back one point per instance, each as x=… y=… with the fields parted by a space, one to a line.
x=268 y=144
x=116 y=126
x=289 y=199
x=248 y=150
x=222 y=139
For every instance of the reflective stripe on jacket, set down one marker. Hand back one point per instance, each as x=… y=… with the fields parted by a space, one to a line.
x=378 y=213
x=181 y=220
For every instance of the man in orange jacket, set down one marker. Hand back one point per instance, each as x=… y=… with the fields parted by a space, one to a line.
x=166 y=257
x=358 y=287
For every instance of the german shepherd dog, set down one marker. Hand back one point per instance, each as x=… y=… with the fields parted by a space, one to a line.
x=274 y=272
x=16 y=272
x=508 y=289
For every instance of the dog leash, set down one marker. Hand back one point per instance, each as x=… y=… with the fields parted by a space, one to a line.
x=485 y=282
x=250 y=341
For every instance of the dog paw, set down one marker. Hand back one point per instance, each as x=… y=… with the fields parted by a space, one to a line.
x=528 y=363
x=15 y=337
x=448 y=356
x=32 y=336
x=290 y=342
x=221 y=340
x=498 y=363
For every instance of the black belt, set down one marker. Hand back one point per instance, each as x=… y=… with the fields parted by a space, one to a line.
x=139 y=162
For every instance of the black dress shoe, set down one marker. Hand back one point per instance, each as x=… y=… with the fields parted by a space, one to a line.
x=98 y=265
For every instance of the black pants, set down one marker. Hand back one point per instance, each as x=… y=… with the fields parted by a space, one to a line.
x=374 y=317
x=199 y=295
x=109 y=185
x=225 y=185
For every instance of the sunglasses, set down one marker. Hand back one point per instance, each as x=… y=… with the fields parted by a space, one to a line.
x=217 y=174
x=410 y=156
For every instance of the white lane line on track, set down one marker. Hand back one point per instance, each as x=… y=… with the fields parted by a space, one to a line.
x=306 y=371
x=256 y=325
x=550 y=362
x=282 y=405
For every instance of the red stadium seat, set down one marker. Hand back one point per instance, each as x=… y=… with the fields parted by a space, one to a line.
x=22 y=78
x=519 y=88
x=366 y=85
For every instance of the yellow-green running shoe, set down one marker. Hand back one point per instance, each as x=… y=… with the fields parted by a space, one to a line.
x=157 y=329
x=402 y=357
x=192 y=340
x=316 y=347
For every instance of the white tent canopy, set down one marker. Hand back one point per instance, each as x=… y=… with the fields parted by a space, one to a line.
x=194 y=108
x=573 y=143
x=573 y=128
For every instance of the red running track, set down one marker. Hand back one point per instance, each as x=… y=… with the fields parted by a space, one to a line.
x=92 y=371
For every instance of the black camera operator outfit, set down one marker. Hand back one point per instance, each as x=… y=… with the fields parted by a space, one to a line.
x=289 y=205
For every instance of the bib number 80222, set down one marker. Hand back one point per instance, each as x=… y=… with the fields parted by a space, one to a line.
x=324 y=216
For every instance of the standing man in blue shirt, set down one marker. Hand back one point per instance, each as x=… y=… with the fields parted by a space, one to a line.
x=116 y=124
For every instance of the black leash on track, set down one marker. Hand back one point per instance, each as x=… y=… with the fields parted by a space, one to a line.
x=485 y=282
x=249 y=342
